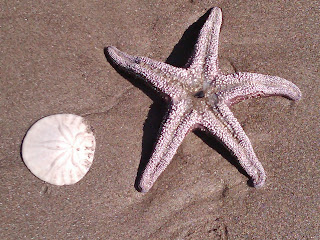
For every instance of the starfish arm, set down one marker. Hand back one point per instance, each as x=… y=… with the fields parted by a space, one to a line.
x=178 y=122
x=229 y=131
x=241 y=86
x=205 y=58
x=164 y=69
x=161 y=76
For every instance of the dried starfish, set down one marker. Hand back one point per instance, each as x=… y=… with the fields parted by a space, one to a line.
x=200 y=97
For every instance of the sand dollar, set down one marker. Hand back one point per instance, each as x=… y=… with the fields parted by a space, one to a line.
x=59 y=149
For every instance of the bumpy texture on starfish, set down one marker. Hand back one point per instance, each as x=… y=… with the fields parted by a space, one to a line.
x=200 y=97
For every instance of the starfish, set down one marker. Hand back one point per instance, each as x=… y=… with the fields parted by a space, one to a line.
x=199 y=97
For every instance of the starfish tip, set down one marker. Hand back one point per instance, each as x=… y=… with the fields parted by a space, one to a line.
x=143 y=188
x=259 y=182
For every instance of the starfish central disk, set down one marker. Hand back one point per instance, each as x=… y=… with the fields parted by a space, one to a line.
x=200 y=96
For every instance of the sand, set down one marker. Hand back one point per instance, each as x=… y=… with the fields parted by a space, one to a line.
x=52 y=61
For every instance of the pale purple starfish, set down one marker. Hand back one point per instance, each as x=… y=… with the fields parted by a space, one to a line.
x=200 y=97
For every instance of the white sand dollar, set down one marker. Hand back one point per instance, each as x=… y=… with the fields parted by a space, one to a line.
x=59 y=149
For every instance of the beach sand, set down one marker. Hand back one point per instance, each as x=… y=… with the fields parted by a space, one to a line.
x=53 y=61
